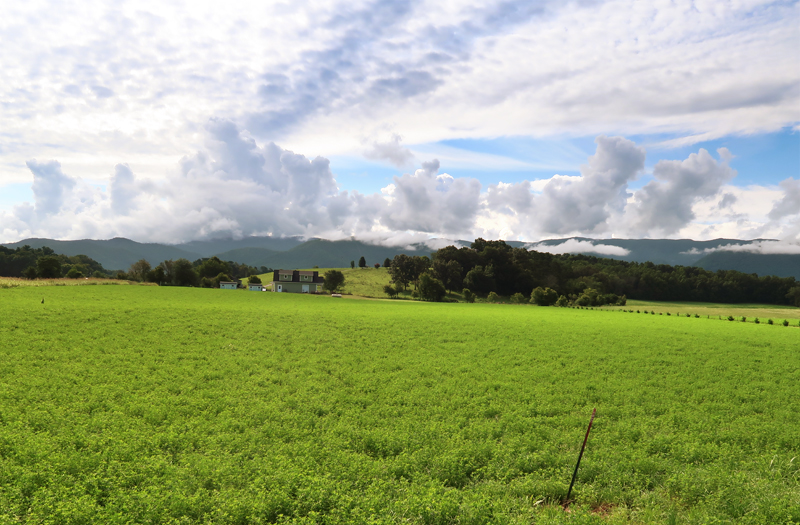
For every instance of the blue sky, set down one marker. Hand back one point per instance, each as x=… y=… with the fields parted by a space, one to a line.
x=400 y=120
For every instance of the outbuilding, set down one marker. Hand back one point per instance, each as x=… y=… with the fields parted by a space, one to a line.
x=253 y=287
x=228 y=285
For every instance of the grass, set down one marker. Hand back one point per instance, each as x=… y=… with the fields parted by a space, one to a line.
x=125 y=404
x=16 y=282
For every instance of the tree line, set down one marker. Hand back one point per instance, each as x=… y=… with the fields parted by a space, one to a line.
x=44 y=263
x=494 y=266
x=207 y=272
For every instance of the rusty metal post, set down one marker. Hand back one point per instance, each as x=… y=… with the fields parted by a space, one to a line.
x=578 y=464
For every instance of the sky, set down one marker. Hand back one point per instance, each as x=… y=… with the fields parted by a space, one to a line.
x=399 y=121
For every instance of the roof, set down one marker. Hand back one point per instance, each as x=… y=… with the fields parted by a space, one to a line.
x=316 y=279
x=228 y=282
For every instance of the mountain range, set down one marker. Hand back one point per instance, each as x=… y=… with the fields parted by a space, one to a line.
x=294 y=252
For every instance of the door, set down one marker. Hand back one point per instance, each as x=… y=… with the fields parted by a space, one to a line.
x=305 y=288
x=280 y=287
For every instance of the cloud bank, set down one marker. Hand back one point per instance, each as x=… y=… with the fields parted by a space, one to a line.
x=577 y=246
x=234 y=187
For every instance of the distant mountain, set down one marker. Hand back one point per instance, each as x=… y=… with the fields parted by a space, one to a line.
x=338 y=254
x=781 y=265
x=219 y=246
x=113 y=254
x=292 y=252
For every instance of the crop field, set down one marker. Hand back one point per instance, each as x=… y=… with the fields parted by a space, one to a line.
x=140 y=404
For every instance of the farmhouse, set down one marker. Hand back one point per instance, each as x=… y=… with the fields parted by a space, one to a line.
x=228 y=285
x=296 y=281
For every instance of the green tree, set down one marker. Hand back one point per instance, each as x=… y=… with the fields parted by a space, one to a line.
x=334 y=279
x=157 y=275
x=212 y=267
x=184 y=274
x=97 y=274
x=254 y=279
x=138 y=270
x=518 y=298
x=29 y=273
x=390 y=290
x=430 y=288
x=402 y=270
x=562 y=302
x=48 y=267
x=493 y=297
x=387 y=262
x=480 y=279
x=794 y=295
x=362 y=262
x=352 y=265
x=544 y=296
x=220 y=277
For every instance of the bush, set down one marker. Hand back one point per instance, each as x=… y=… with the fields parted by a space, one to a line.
x=390 y=290
x=730 y=318
x=769 y=321
x=688 y=315
x=518 y=298
x=785 y=322
x=254 y=279
x=98 y=274
x=562 y=302
x=29 y=273
x=756 y=321
x=205 y=282
x=697 y=316
x=544 y=296
x=493 y=297
x=744 y=319
x=468 y=295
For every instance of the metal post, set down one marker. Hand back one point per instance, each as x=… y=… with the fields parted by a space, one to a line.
x=578 y=464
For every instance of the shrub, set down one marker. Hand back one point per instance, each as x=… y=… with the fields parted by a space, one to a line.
x=730 y=318
x=493 y=297
x=688 y=315
x=697 y=316
x=562 y=302
x=98 y=274
x=756 y=320
x=377 y=265
x=785 y=322
x=468 y=295
x=518 y=298
x=389 y=290
x=254 y=279
x=769 y=321
x=431 y=288
x=30 y=273
x=544 y=296
x=652 y=312
x=669 y=313
x=205 y=282
x=744 y=319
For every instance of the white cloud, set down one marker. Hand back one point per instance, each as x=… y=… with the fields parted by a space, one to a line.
x=763 y=247
x=94 y=82
x=578 y=246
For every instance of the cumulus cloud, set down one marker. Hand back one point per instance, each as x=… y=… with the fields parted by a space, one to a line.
x=390 y=150
x=232 y=186
x=665 y=205
x=578 y=246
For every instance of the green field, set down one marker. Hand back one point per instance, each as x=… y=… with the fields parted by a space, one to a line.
x=134 y=404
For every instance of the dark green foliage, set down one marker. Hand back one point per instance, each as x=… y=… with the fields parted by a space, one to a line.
x=563 y=301
x=390 y=290
x=157 y=275
x=254 y=279
x=138 y=270
x=769 y=321
x=99 y=275
x=495 y=266
x=744 y=319
x=468 y=295
x=548 y=297
x=48 y=267
x=352 y=264
x=30 y=272
x=785 y=322
x=430 y=288
x=362 y=262
x=493 y=297
x=756 y=320
x=220 y=278
x=183 y=273
x=730 y=318
x=387 y=262
x=334 y=279
x=74 y=273
x=518 y=298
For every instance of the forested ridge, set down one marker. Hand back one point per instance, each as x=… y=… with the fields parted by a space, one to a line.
x=494 y=266
x=44 y=262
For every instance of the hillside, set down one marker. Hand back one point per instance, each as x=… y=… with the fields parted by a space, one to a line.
x=337 y=254
x=781 y=265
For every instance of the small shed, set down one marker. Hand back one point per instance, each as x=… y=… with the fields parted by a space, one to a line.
x=228 y=285
x=253 y=287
